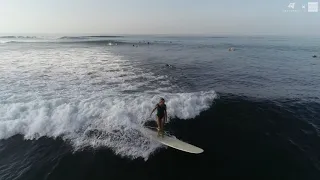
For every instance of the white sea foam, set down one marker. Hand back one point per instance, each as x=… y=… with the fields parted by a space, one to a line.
x=80 y=95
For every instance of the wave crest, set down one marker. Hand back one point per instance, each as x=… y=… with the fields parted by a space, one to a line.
x=18 y=37
x=100 y=121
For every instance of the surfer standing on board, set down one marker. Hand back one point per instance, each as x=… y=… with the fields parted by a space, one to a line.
x=161 y=115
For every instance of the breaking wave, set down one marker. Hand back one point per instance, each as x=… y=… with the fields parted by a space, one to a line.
x=85 y=100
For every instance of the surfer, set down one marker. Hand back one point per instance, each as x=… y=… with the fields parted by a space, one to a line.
x=170 y=66
x=161 y=115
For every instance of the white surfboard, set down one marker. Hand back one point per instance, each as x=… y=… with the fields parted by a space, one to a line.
x=173 y=142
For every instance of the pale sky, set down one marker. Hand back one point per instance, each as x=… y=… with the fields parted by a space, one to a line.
x=157 y=17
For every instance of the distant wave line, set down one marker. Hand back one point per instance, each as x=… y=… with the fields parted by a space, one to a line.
x=18 y=37
x=87 y=37
x=63 y=37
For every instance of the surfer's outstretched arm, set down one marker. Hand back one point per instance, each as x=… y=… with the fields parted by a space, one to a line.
x=153 y=110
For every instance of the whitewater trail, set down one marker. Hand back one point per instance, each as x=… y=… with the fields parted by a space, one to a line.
x=89 y=97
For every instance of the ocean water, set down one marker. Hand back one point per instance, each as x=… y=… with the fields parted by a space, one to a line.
x=74 y=107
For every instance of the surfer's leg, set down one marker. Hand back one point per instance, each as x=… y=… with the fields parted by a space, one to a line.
x=158 y=123
x=162 y=125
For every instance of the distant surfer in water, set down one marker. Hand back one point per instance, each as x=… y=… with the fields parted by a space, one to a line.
x=231 y=49
x=161 y=115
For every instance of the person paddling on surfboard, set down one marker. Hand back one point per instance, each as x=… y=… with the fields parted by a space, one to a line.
x=161 y=116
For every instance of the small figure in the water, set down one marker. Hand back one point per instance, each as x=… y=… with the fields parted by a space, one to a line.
x=148 y=43
x=231 y=49
x=169 y=66
x=314 y=56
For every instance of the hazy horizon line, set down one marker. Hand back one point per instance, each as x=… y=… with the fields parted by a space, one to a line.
x=156 y=34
